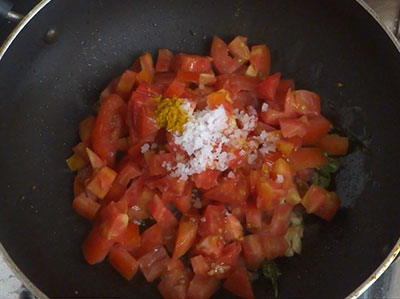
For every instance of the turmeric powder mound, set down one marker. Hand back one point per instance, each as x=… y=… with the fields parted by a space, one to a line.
x=171 y=115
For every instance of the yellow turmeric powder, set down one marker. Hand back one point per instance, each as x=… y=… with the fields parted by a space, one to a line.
x=171 y=115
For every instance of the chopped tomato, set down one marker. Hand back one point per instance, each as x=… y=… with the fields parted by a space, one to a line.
x=253 y=217
x=253 y=251
x=129 y=172
x=317 y=128
x=202 y=287
x=101 y=183
x=195 y=63
x=238 y=47
x=158 y=163
x=229 y=256
x=321 y=202
x=272 y=116
x=334 y=145
x=123 y=262
x=76 y=162
x=152 y=264
x=269 y=194
x=125 y=84
x=292 y=127
x=280 y=220
x=174 y=283
x=238 y=283
x=164 y=60
x=213 y=220
x=162 y=214
x=95 y=160
x=308 y=157
x=186 y=236
x=233 y=228
x=303 y=102
x=96 y=247
x=224 y=63
x=131 y=239
x=206 y=179
x=267 y=89
x=211 y=246
x=175 y=89
x=200 y=265
x=139 y=204
x=85 y=206
x=109 y=127
x=273 y=247
x=287 y=145
x=151 y=238
x=85 y=128
x=260 y=61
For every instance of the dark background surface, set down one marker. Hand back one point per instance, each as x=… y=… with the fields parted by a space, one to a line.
x=90 y=88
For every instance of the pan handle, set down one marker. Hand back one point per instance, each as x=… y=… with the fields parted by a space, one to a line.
x=6 y=12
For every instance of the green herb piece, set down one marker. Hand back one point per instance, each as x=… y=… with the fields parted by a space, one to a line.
x=271 y=271
x=322 y=175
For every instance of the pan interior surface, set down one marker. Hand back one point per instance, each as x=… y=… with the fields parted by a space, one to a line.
x=48 y=88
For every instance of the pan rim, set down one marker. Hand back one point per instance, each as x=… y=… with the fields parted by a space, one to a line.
x=38 y=293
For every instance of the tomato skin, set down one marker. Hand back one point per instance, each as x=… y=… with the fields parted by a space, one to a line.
x=253 y=217
x=186 y=235
x=272 y=116
x=317 y=128
x=101 y=183
x=129 y=172
x=123 y=262
x=273 y=247
x=195 y=63
x=238 y=47
x=230 y=254
x=153 y=263
x=109 y=127
x=131 y=239
x=267 y=89
x=213 y=220
x=253 y=251
x=126 y=83
x=291 y=127
x=175 y=89
x=221 y=60
x=334 y=145
x=238 y=283
x=233 y=228
x=164 y=60
x=206 y=179
x=303 y=102
x=85 y=206
x=280 y=220
x=202 y=287
x=308 y=157
x=260 y=61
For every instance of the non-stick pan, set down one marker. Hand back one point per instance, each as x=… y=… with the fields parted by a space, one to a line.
x=334 y=47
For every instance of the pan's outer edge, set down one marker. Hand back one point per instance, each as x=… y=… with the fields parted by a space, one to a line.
x=38 y=293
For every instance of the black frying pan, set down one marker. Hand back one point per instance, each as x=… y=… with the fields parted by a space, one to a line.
x=46 y=89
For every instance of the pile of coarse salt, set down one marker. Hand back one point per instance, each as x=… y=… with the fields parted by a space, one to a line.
x=205 y=136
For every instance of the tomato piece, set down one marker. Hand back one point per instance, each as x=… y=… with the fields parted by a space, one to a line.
x=221 y=59
x=146 y=63
x=269 y=194
x=164 y=60
x=236 y=83
x=234 y=191
x=233 y=228
x=280 y=220
x=101 y=183
x=158 y=162
x=334 y=145
x=213 y=220
x=151 y=238
x=206 y=179
x=153 y=263
x=260 y=61
x=76 y=162
x=273 y=247
x=308 y=157
x=80 y=149
x=175 y=89
x=131 y=239
x=200 y=265
x=281 y=91
x=321 y=202
x=287 y=145
x=291 y=127
x=267 y=89
x=186 y=236
x=303 y=102
x=253 y=217
x=238 y=283
x=210 y=246
x=123 y=262
x=125 y=84
x=238 y=47
x=281 y=167
x=202 y=287
x=96 y=247
x=195 y=63
x=114 y=228
x=253 y=251
x=229 y=256
x=272 y=116
x=95 y=160
x=129 y=172
x=174 y=283
x=85 y=128
x=161 y=214
x=109 y=127
x=317 y=128
x=85 y=206
x=139 y=205
x=80 y=179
